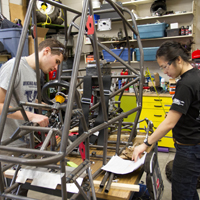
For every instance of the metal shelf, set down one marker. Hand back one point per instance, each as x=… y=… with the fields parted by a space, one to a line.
x=164 y=16
x=165 y=38
x=137 y=2
x=149 y=39
x=134 y=62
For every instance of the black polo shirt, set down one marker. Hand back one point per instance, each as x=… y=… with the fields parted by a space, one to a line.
x=186 y=100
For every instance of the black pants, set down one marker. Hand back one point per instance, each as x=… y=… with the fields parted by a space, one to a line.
x=186 y=170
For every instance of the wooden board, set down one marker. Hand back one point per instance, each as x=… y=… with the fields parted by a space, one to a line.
x=131 y=178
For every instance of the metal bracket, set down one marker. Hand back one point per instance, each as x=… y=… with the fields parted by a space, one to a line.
x=104 y=25
x=107 y=92
x=86 y=100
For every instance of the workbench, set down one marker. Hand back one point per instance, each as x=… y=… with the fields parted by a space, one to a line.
x=131 y=178
x=96 y=163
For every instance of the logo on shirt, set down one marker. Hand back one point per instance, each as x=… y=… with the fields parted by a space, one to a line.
x=178 y=102
x=31 y=96
x=29 y=83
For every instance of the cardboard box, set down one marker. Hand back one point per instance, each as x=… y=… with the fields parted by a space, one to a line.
x=157 y=79
x=41 y=33
x=150 y=84
x=17 y=12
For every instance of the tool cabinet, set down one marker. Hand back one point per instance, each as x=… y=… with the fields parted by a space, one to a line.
x=153 y=108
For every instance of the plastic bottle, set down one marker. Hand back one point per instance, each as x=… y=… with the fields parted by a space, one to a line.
x=190 y=30
x=172 y=88
x=187 y=30
x=126 y=73
x=122 y=79
x=182 y=30
x=119 y=84
x=131 y=89
x=163 y=83
x=120 y=34
x=122 y=72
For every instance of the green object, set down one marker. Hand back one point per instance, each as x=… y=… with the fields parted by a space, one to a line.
x=71 y=164
x=128 y=102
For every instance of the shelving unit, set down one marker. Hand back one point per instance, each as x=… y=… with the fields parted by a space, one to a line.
x=191 y=12
x=128 y=3
x=136 y=62
x=185 y=17
x=164 y=16
x=149 y=39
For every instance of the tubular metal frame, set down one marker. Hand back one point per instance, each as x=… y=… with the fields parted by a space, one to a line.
x=47 y=159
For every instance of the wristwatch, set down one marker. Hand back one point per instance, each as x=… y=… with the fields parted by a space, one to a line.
x=146 y=142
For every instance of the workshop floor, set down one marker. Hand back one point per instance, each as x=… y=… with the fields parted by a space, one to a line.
x=163 y=159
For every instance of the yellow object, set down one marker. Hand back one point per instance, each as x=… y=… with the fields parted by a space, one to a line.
x=47 y=17
x=152 y=109
x=59 y=99
x=44 y=7
x=166 y=142
x=128 y=102
x=61 y=15
x=71 y=164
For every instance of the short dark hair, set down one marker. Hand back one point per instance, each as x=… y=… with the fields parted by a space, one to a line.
x=57 y=47
x=171 y=50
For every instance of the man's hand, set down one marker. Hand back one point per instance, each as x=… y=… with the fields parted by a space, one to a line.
x=138 y=151
x=42 y=120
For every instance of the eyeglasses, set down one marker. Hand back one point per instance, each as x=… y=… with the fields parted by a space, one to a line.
x=166 y=67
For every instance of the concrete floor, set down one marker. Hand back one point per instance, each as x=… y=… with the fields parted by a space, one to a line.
x=163 y=159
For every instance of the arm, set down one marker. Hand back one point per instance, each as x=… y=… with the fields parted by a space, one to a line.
x=169 y=123
x=36 y=118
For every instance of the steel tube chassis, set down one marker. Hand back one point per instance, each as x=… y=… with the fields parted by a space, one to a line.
x=48 y=158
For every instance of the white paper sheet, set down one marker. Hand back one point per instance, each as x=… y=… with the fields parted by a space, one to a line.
x=118 y=165
x=43 y=178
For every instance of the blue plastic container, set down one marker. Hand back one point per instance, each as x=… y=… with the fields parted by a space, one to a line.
x=96 y=18
x=124 y=54
x=149 y=53
x=10 y=39
x=152 y=30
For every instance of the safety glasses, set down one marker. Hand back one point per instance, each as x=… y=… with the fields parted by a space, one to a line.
x=166 y=67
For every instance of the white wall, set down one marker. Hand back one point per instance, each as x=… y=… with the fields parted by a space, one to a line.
x=75 y=4
x=18 y=2
x=5 y=8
